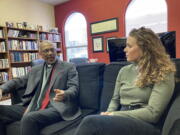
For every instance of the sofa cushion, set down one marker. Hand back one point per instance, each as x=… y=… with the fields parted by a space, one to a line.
x=176 y=128
x=90 y=84
x=110 y=75
x=13 y=128
x=63 y=126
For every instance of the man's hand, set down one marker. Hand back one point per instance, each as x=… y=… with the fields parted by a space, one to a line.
x=106 y=113
x=59 y=95
x=0 y=94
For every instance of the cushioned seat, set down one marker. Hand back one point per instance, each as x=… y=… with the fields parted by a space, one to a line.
x=97 y=83
x=90 y=85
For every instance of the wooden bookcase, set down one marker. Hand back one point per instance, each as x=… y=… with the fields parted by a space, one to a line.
x=22 y=47
x=18 y=47
x=4 y=61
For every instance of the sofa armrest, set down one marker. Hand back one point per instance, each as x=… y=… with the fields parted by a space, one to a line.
x=176 y=128
x=16 y=96
x=172 y=122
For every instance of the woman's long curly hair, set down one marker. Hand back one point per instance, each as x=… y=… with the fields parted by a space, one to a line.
x=155 y=63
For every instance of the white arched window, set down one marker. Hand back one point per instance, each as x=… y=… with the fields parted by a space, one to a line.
x=148 y=13
x=76 y=36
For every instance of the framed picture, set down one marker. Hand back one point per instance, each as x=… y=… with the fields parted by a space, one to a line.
x=25 y=24
x=107 y=46
x=97 y=44
x=9 y=24
x=19 y=25
x=109 y=25
x=39 y=27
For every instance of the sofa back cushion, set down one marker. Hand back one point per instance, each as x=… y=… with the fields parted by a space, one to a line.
x=177 y=76
x=78 y=61
x=110 y=74
x=90 y=84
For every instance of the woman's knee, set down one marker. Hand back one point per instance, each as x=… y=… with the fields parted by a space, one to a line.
x=90 y=125
x=92 y=119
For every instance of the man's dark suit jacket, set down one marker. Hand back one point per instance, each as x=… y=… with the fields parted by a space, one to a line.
x=65 y=78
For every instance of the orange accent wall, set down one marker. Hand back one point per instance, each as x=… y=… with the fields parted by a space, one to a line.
x=98 y=10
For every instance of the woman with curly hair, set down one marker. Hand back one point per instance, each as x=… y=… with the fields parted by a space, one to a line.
x=142 y=92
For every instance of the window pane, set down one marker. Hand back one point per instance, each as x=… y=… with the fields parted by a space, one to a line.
x=77 y=52
x=148 y=13
x=76 y=36
x=76 y=30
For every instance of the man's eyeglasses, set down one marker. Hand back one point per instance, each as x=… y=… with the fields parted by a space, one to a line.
x=49 y=50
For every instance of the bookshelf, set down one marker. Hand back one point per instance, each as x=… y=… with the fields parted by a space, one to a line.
x=22 y=48
x=4 y=62
x=18 y=47
x=4 y=59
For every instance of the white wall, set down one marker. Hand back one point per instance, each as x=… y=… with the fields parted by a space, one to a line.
x=31 y=11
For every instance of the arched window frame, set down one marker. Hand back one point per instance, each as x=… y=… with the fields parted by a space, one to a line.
x=76 y=45
x=136 y=9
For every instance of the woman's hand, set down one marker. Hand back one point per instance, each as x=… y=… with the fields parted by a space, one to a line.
x=106 y=113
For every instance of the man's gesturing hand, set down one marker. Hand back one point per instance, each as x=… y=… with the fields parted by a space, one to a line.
x=59 y=95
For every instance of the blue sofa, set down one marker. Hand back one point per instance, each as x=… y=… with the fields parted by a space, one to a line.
x=97 y=82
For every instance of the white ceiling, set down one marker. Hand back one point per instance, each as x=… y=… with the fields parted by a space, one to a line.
x=54 y=2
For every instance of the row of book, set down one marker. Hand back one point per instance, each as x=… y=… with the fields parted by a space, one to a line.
x=51 y=37
x=2 y=46
x=22 y=45
x=24 y=34
x=1 y=34
x=57 y=46
x=20 y=71
x=23 y=57
x=4 y=63
x=3 y=76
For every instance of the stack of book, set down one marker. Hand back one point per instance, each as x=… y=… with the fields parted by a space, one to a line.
x=2 y=46
x=3 y=76
x=4 y=63
x=1 y=34
x=20 y=71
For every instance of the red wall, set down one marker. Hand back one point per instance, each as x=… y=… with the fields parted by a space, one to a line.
x=98 y=10
x=174 y=21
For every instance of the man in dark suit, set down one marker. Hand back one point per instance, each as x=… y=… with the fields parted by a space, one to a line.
x=50 y=96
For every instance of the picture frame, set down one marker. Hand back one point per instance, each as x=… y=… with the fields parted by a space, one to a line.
x=40 y=28
x=97 y=44
x=19 y=25
x=107 y=46
x=104 y=26
x=25 y=24
x=10 y=24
